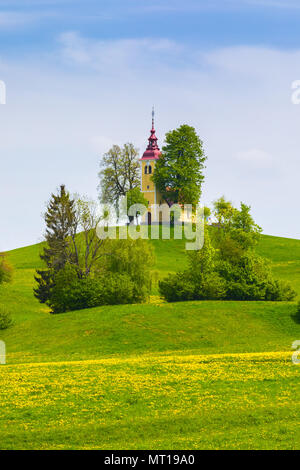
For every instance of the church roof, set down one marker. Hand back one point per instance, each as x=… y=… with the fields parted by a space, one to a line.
x=152 y=152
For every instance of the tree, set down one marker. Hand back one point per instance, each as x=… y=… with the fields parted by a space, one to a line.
x=135 y=196
x=237 y=230
x=228 y=268
x=60 y=220
x=88 y=248
x=223 y=211
x=120 y=172
x=200 y=281
x=178 y=172
x=202 y=261
x=84 y=270
x=5 y=269
x=132 y=257
x=206 y=213
x=71 y=240
x=120 y=278
x=249 y=277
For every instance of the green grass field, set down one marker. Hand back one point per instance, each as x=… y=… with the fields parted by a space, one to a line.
x=190 y=375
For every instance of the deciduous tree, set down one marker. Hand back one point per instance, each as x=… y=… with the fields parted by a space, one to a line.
x=135 y=196
x=179 y=170
x=120 y=172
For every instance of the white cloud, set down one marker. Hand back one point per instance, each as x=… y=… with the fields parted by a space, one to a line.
x=115 y=54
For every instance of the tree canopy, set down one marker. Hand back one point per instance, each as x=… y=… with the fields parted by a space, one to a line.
x=83 y=270
x=178 y=172
x=120 y=172
x=135 y=196
x=227 y=267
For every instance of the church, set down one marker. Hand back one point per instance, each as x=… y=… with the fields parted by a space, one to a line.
x=158 y=210
x=148 y=188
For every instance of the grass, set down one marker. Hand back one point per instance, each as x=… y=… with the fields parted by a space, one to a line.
x=191 y=375
x=284 y=253
x=174 y=402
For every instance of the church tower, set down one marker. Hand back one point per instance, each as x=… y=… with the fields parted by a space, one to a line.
x=148 y=161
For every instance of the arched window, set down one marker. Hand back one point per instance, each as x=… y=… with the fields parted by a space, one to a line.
x=146 y=171
x=150 y=169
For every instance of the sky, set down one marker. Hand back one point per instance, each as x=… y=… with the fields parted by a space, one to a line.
x=81 y=76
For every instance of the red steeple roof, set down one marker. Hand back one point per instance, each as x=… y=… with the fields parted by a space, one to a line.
x=152 y=151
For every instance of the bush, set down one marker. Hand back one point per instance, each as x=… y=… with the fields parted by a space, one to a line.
x=212 y=287
x=5 y=270
x=280 y=291
x=134 y=258
x=5 y=319
x=120 y=278
x=247 y=277
x=297 y=316
x=250 y=278
x=177 y=288
x=182 y=286
x=71 y=293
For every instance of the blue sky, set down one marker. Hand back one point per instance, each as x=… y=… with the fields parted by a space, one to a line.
x=31 y=25
x=83 y=75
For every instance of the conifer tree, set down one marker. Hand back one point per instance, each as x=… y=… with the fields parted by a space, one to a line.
x=60 y=221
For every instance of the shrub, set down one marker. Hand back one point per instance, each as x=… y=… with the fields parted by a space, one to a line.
x=183 y=286
x=71 y=293
x=280 y=291
x=177 y=288
x=5 y=270
x=134 y=258
x=119 y=277
x=246 y=277
x=212 y=287
x=5 y=319
x=250 y=278
x=297 y=316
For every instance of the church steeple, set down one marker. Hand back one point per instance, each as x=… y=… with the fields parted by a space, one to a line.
x=152 y=151
x=148 y=187
x=152 y=117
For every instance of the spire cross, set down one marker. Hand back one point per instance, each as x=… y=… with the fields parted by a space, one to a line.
x=153 y=117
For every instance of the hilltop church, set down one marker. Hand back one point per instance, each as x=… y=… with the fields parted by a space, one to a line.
x=148 y=188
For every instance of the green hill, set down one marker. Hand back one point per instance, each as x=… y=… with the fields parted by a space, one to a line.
x=151 y=376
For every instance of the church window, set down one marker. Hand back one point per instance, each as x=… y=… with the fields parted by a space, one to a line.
x=150 y=169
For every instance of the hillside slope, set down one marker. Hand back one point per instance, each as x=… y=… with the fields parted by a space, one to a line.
x=191 y=375
x=205 y=327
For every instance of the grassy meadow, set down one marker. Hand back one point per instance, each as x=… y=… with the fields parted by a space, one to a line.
x=189 y=375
